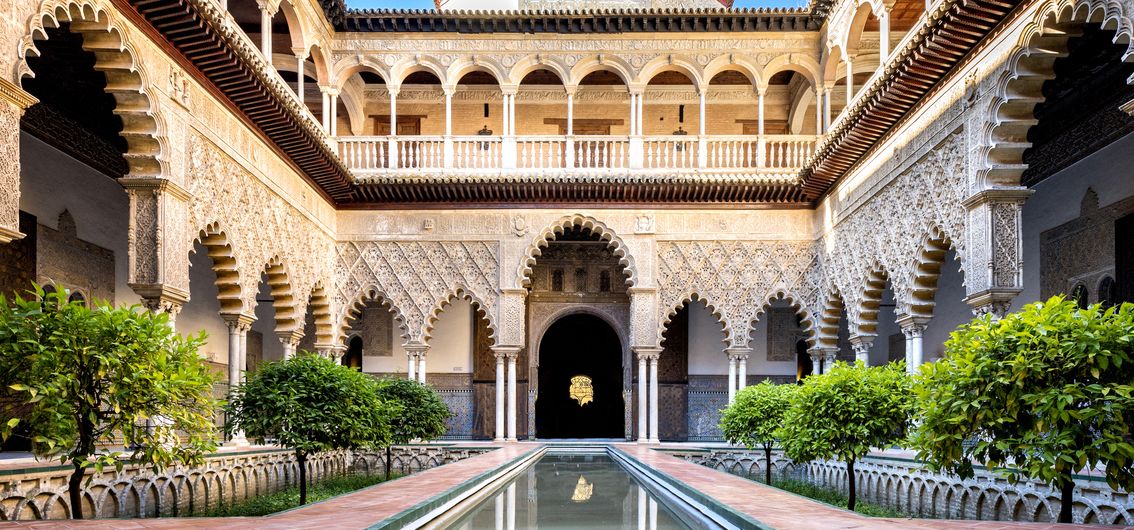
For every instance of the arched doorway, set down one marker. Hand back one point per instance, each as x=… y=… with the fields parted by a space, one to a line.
x=580 y=346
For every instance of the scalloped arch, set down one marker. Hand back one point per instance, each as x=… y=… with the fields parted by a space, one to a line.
x=355 y=305
x=283 y=295
x=548 y=234
x=694 y=297
x=143 y=126
x=1018 y=87
x=460 y=293
x=806 y=318
x=925 y=271
x=220 y=249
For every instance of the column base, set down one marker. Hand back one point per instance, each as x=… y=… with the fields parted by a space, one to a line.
x=238 y=441
x=512 y=440
x=499 y=440
x=654 y=441
x=643 y=441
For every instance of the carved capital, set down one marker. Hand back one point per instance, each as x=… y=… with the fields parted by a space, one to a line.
x=238 y=322
x=503 y=353
x=995 y=302
x=162 y=299
x=291 y=337
x=416 y=351
x=16 y=95
x=913 y=327
x=738 y=353
x=647 y=353
x=861 y=344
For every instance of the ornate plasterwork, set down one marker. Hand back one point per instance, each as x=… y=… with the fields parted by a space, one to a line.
x=886 y=234
x=548 y=234
x=417 y=279
x=263 y=230
x=737 y=279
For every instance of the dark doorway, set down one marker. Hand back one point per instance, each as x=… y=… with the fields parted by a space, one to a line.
x=353 y=356
x=1124 y=259
x=580 y=345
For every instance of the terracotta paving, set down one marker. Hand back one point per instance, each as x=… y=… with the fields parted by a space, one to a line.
x=782 y=510
x=772 y=507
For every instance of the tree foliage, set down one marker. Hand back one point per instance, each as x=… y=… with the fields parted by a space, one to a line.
x=1040 y=393
x=310 y=403
x=91 y=378
x=846 y=412
x=755 y=417
x=421 y=415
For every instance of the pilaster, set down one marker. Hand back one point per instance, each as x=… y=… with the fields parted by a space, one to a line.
x=995 y=247
x=13 y=101
x=158 y=239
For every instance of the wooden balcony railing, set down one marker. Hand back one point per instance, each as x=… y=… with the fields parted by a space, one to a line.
x=778 y=153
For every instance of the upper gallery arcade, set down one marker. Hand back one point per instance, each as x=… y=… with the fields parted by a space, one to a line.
x=735 y=194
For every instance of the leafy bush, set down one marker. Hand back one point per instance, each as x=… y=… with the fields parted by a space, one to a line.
x=835 y=498
x=420 y=416
x=288 y=498
x=1040 y=393
x=845 y=412
x=90 y=378
x=755 y=416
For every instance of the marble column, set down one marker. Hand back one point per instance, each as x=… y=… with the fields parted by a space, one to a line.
x=742 y=373
x=850 y=81
x=300 y=82
x=290 y=340
x=818 y=111
x=731 y=378
x=861 y=344
x=411 y=365
x=816 y=361
x=266 y=14
x=643 y=434
x=510 y=506
x=512 y=396
x=417 y=354
x=500 y=360
x=238 y=326
x=737 y=370
x=914 y=330
x=883 y=38
x=654 y=398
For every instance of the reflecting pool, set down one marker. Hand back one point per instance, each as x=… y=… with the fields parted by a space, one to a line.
x=571 y=491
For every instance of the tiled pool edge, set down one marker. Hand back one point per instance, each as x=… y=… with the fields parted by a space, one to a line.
x=422 y=508
x=729 y=513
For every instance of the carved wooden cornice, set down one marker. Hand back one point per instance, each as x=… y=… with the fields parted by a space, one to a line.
x=201 y=31
x=952 y=30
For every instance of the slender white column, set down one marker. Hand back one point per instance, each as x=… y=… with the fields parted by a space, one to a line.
x=850 y=81
x=512 y=114
x=917 y=355
x=883 y=38
x=760 y=112
x=643 y=411
x=633 y=113
x=411 y=368
x=860 y=344
x=570 y=114
x=654 y=398
x=510 y=507
x=421 y=367
x=326 y=107
x=448 y=113
x=731 y=379
x=512 y=396
x=913 y=328
x=266 y=33
x=816 y=364
x=818 y=111
x=701 y=113
x=640 y=114
x=238 y=326
x=334 y=113
x=653 y=514
x=827 y=110
x=499 y=397
x=742 y=373
x=392 y=140
x=290 y=341
x=300 y=62
x=393 y=113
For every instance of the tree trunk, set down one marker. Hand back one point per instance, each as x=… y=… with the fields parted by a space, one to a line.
x=388 y=462
x=1066 y=498
x=850 y=485
x=768 y=464
x=301 y=459
x=75 y=489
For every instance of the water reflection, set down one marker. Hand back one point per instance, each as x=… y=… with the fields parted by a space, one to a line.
x=577 y=492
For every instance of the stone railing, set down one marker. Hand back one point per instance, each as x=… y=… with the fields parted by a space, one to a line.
x=896 y=481
x=40 y=491
x=366 y=155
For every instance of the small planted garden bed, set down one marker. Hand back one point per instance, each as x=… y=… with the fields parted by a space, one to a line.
x=834 y=498
x=287 y=499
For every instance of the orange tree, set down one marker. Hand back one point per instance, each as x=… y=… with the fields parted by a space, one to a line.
x=755 y=416
x=87 y=377
x=1041 y=393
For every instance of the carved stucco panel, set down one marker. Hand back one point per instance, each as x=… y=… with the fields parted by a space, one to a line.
x=259 y=223
x=416 y=277
x=9 y=166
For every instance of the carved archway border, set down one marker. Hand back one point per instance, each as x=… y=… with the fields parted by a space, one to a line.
x=543 y=238
x=283 y=295
x=807 y=319
x=831 y=312
x=460 y=293
x=1019 y=87
x=925 y=272
x=143 y=128
x=870 y=299
x=222 y=252
x=355 y=305
x=694 y=297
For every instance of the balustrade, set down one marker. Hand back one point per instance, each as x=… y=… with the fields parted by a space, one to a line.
x=768 y=152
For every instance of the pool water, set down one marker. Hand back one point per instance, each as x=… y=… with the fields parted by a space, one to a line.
x=589 y=491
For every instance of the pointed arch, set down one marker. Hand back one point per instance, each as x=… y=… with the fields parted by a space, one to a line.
x=548 y=234
x=807 y=321
x=129 y=81
x=827 y=329
x=459 y=293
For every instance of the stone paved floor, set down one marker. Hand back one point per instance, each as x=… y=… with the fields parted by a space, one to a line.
x=770 y=506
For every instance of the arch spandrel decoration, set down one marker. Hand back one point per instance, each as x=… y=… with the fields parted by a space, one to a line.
x=739 y=277
x=417 y=278
x=261 y=227
x=885 y=232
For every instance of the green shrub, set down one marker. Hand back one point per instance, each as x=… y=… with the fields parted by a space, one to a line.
x=755 y=416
